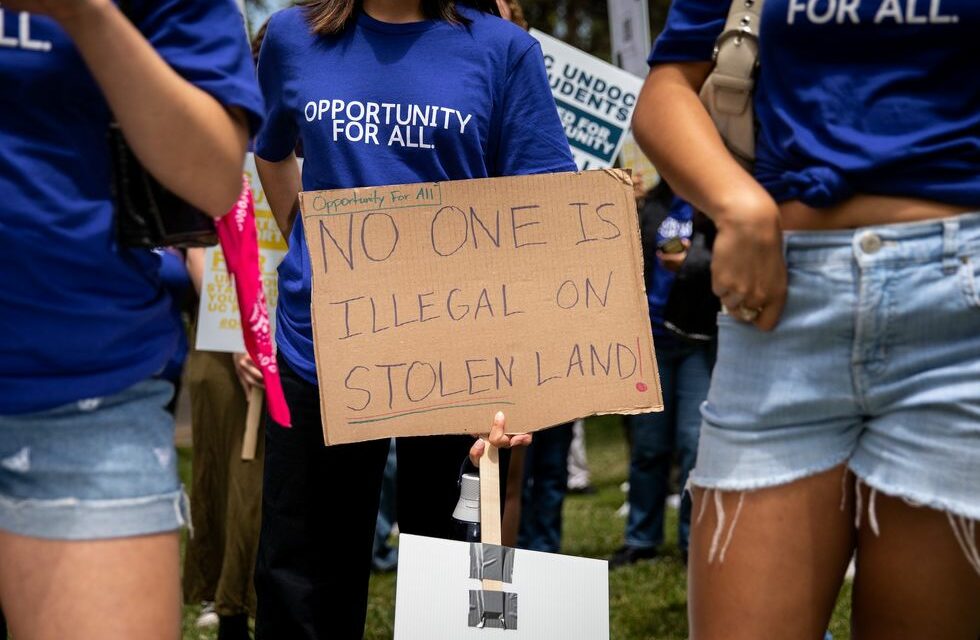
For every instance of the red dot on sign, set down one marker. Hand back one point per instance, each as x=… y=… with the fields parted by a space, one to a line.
x=641 y=386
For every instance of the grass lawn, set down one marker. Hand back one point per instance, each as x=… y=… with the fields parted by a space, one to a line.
x=647 y=601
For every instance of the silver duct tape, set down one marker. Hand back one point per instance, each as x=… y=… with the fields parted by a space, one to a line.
x=493 y=610
x=491 y=562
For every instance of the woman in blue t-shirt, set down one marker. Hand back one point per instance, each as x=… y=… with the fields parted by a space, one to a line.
x=90 y=501
x=343 y=78
x=844 y=410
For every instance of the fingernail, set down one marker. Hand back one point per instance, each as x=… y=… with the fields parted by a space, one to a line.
x=499 y=417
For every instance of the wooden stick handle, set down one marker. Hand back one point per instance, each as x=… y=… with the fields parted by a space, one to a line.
x=250 y=441
x=490 y=504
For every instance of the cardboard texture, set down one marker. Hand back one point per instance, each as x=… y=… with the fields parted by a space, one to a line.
x=218 y=321
x=557 y=597
x=595 y=101
x=437 y=304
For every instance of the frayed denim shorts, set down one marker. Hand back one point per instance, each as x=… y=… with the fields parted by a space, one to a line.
x=875 y=363
x=94 y=469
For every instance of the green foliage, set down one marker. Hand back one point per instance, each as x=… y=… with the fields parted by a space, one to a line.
x=581 y=23
x=584 y=23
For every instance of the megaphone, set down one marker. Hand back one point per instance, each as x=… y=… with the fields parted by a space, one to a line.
x=467 y=511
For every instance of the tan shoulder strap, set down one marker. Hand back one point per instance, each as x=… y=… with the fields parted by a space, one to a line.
x=727 y=92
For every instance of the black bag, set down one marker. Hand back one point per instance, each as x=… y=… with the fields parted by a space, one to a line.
x=692 y=308
x=148 y=215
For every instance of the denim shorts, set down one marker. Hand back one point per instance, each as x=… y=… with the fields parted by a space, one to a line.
x=875 y=362
x=94 y=469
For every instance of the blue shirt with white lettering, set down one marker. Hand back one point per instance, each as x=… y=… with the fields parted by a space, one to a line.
x=856 y=96
x=384 y=103
x=81 y=317
x=659 y=279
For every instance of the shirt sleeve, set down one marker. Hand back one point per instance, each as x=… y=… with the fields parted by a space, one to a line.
x=205 y=42
x=692 y=28
x=528 y=136
x=279 y=134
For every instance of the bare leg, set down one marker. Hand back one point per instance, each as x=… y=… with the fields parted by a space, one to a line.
x=913 y=580
x=52 y=590
x=779 y=575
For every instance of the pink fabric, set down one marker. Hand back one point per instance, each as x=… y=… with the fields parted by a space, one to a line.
x=240 y=244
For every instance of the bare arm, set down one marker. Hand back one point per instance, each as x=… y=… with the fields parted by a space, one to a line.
x=195 y=267
x=182 y=135
x=673 y=128
x=282 y=184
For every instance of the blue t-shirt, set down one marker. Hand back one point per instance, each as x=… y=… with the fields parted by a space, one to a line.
x=677 y=224
x=177 y=283
x=856 y=96
x=386 y=103
x=79 y=316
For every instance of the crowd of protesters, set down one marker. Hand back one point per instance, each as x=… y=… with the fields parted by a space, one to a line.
x=816 y=315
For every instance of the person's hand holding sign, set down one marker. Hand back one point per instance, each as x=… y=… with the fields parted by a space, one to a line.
x=249 y=375
x=498 y=438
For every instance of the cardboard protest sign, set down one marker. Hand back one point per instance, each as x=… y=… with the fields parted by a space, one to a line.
x=595 y=101
x=437 y=304
x=218 y=321
x=547 y=596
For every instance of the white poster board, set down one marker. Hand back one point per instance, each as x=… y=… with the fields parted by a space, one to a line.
x=629 y=30
x=595 y=101
x=558 y=597
x=218 y=322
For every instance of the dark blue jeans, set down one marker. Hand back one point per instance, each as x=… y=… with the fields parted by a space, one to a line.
x=545 y=485
x=385 y=558
x=685 y=372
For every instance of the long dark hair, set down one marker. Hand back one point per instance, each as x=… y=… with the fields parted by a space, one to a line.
x=327 y=17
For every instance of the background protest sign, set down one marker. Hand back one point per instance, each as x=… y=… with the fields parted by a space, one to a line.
x=218 y=321
x=629 y=30
x=555 y=597
x=633 y=159
x=437 y=304
x=595 y=101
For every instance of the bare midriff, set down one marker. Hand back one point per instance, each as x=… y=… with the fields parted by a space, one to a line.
x=864 y=211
